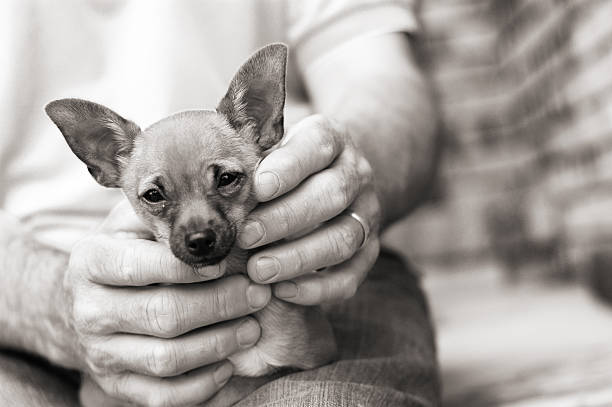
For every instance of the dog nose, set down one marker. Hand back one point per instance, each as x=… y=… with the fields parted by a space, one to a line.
x=200 y=243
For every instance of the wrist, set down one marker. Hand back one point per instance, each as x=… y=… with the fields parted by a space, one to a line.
x=53 y=335
x=31 y=296
x=56 y=338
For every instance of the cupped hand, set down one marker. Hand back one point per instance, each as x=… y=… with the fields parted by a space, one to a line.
x=152 y=344
x=310 y=184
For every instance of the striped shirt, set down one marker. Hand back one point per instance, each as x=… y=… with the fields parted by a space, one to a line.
x=525 y=89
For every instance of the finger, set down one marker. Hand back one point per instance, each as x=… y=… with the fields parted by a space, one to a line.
x=332 y=243
x=312 y=145
x=137 y=262
x=164 y=358
x=190 y=388
x=319 y=198
x=90 y=394
x=336 y=283
x=170 y=311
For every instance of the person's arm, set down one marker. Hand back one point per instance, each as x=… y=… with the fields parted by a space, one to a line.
x=31 y=297
x=99 y=310
x=374 y=87
x=370 y=150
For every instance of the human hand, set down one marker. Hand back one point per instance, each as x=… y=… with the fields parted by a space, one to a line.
x=150 y=344
x=315 y=178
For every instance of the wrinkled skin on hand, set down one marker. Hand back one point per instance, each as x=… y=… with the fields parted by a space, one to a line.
x=306 y=185
x=136 y=339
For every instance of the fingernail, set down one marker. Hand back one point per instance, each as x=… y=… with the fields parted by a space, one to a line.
x=258 y=295
x=252 y=232
x=248 y=333
x=267 y=268
x=212 y=271
x=286 y=289
x=267 y=185
x=223 y=373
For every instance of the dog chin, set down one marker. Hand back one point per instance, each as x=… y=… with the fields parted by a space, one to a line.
x=203 y=262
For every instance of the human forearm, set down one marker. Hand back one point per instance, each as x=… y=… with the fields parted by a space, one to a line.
x=31 y=277
x=374 y=88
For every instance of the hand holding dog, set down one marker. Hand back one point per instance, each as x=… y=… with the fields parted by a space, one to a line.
x=310 y=180
x=135 y=338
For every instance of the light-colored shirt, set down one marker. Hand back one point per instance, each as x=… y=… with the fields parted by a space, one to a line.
x=144 y=60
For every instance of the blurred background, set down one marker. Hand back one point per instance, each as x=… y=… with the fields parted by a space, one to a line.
x=515 y=243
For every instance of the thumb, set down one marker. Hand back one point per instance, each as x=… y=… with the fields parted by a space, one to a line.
x=123 y=221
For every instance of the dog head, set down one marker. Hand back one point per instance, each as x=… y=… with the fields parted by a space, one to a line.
x=189 y=176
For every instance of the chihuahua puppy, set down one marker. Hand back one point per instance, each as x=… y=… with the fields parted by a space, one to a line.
x=189 y=177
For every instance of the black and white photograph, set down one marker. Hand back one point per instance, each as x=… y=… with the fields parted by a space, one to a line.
x=306 y=203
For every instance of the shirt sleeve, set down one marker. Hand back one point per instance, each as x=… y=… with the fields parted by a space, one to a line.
x=318 y=26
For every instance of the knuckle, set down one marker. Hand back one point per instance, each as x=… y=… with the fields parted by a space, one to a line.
x=221 y=303
x=127 y=265
x=163 y=315
x=293 y=162
x=83 y=313
x=113 y=386
x=88 y=316
x=219 y=346
x=333 y=243
x=300 y=260
x=115 y=265
x=327 y=143
x=317 y=120
x=327 y=147
x=88 y=244
x=365 y=170
x=105 y=262
x=87 y=255
x=162 y=360
x=346 y=241
x=342 y=191
x=99 y=361
x=82 y=245
x=79 y=253
x=285 y=218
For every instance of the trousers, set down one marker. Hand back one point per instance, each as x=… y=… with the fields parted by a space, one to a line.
x=384 y=335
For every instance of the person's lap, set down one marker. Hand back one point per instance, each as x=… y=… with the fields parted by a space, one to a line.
x=387 y=356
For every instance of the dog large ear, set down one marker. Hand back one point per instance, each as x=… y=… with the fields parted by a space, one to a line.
x=256 y=95
x=100 y=137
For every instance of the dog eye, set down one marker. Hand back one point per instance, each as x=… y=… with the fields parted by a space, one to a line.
x=227 y=178
x=153 y=196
